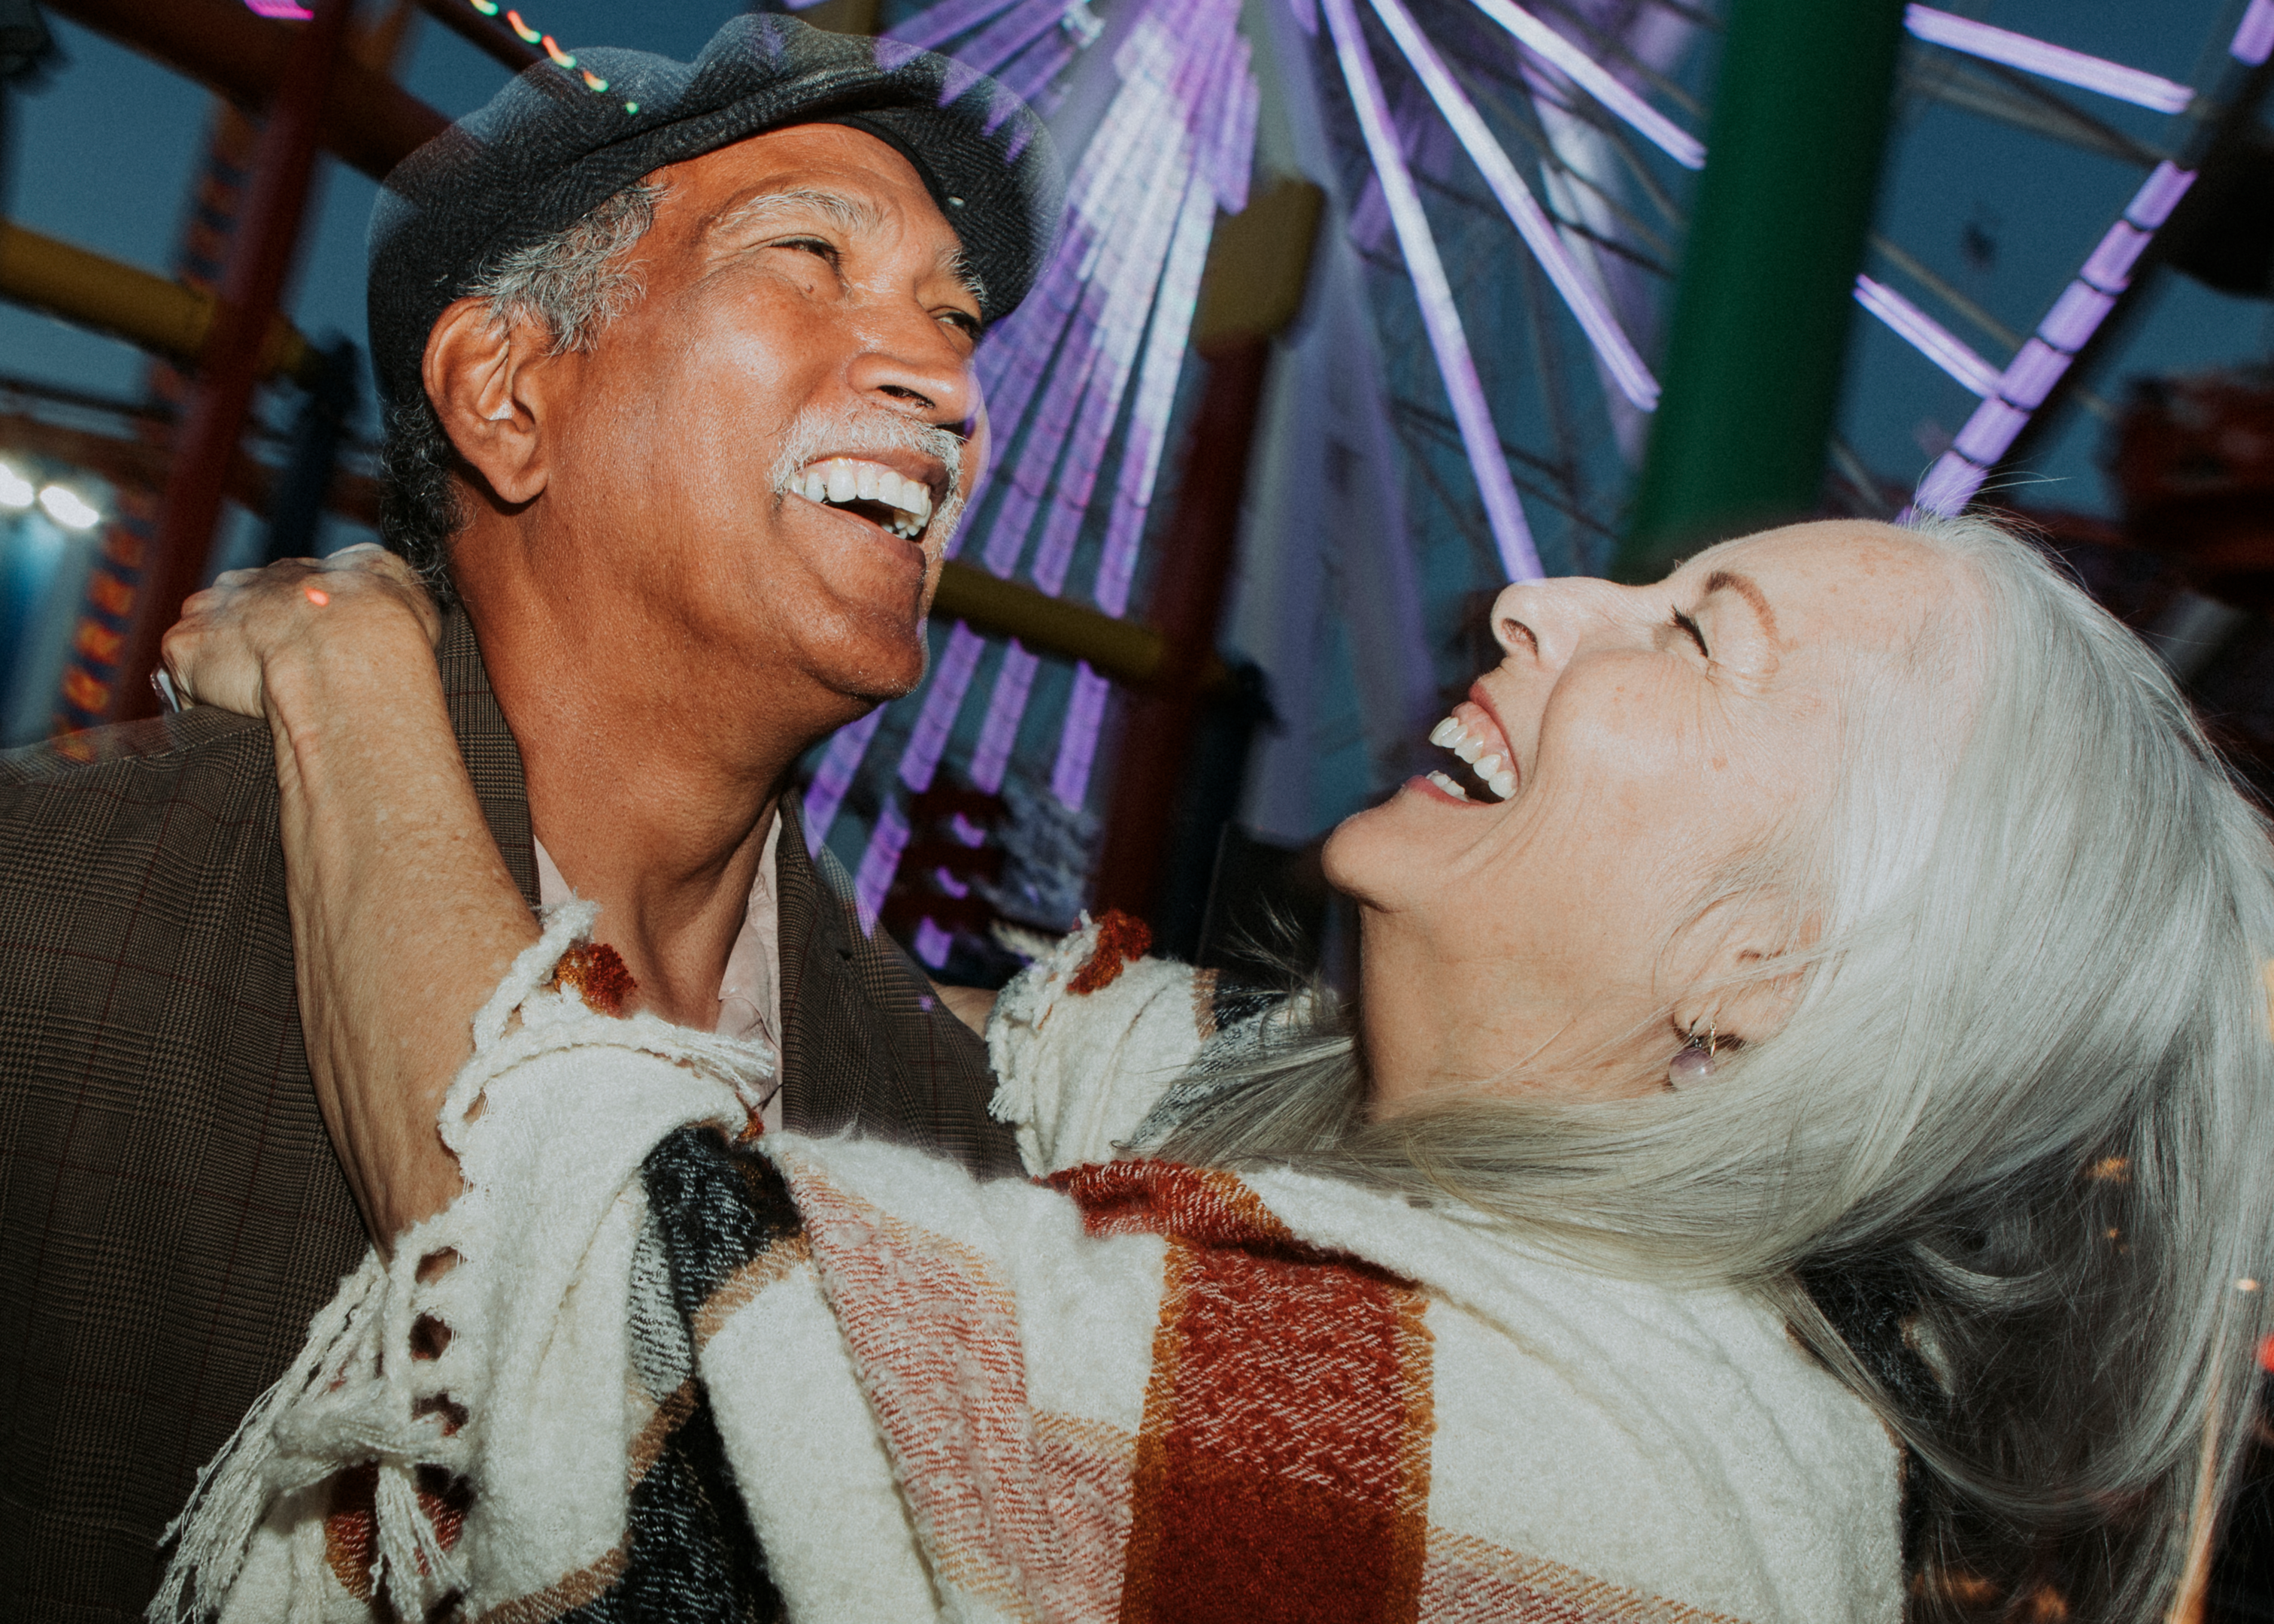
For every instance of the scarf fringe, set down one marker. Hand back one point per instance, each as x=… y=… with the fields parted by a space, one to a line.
x=352 y=1394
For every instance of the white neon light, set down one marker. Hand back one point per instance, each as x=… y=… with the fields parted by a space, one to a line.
x=1928 y=336
x=1590 y=75
x=16 y=493
x=2054 y=62
x=1511 y=536
x=1531 y=221
x=68 y=508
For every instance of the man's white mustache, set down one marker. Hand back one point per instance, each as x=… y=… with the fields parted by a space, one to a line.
x=815 y=434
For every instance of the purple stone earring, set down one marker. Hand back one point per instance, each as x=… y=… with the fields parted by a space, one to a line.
x=1693 y=1061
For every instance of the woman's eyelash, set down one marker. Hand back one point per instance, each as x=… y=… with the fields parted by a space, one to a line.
x=1684 y=624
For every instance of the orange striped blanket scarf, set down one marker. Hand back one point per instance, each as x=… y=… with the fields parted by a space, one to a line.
x=691 y=1377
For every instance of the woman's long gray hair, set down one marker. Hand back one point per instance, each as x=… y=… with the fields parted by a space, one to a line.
x=2008 y=1168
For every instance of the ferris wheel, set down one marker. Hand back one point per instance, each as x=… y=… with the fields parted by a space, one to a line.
x=1510 y=187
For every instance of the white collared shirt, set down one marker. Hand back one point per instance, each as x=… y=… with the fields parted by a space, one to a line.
x=749 y=993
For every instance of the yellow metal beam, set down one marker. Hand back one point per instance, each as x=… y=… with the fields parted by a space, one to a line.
x=1127 y=651
x=128 y=303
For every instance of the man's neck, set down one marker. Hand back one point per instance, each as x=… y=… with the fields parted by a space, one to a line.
x=652 y=796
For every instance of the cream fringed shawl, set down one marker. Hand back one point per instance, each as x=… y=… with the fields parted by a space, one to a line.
x=1139 y=1391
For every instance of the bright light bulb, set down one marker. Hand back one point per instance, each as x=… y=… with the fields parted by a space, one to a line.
x=68 y=508
x=16 y=493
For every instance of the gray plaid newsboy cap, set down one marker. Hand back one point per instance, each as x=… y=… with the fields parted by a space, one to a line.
x=548 y=148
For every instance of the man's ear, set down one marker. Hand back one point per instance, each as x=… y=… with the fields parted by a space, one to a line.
x=1729 y=960
x=482 y=379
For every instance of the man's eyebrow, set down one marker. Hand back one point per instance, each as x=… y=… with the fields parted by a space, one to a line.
x=850 y=214
x=957 y=263
x=1744 y=588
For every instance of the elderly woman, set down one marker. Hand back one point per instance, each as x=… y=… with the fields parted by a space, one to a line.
x=1806 y=1118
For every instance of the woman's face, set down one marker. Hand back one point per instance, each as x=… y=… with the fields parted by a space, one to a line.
x=1647 y=736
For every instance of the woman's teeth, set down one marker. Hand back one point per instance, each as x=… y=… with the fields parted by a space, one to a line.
x=1492 y=768
x=839 y=481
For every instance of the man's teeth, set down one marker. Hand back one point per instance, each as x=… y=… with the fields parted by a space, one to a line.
x=1449 y=787
x=838 y=480
x=1492 y=770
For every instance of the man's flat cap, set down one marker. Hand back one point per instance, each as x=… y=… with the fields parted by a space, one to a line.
x=549 y=148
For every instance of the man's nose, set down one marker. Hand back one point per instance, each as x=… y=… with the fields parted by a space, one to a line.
x=912 y=359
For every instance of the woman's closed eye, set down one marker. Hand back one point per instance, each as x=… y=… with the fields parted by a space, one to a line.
x=1687 y=628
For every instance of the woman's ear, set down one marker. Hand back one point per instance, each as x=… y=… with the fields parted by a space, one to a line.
x=1727 y=961
x=481 y=377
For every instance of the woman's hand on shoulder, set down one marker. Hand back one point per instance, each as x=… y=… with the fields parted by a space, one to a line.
x=246 y=632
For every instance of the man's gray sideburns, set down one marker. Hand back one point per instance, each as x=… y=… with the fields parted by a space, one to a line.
x=574 y=283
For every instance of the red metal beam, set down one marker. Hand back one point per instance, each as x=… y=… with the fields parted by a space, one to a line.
x=1196 y=556
x=258 y=262
x=368 y=121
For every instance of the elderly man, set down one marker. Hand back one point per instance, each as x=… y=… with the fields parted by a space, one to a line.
x=677 y=363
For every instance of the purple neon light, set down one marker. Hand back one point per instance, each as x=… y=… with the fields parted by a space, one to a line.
x=1990 y=431
x=1036 y=66
x=1504 y=513
x=1061 y=370
x=1007 y=35
x=933 y=944
x=838 y=762
x=932 y=26
x=2075 y=317
x=1177 y=282
x=1006 y=708
x=1083 y=398
x=2159 y=195
x=965 y=833
x=2110 y=268
x=942 y=699
x=2254 y=41
x=1149 y=415
x=1131 y=289
x=1590 y=75
x=2151 y=91
x=1928 y=336
x=1531 y=221
x=2032 y=373
x=285 y=9
x=1958 y=473
x=1077 y=743
x=879 y=861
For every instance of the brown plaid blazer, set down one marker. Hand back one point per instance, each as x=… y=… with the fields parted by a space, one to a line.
x=171 y=1214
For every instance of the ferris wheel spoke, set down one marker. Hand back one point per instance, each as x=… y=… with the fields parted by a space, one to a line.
x=1590 y=75
x=2059 y=63
x=1923 y=332
x=1531 y=221
x=1511 y=536
x=2067 y=327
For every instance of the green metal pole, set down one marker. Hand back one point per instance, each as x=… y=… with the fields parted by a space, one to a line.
x=1760 y=317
